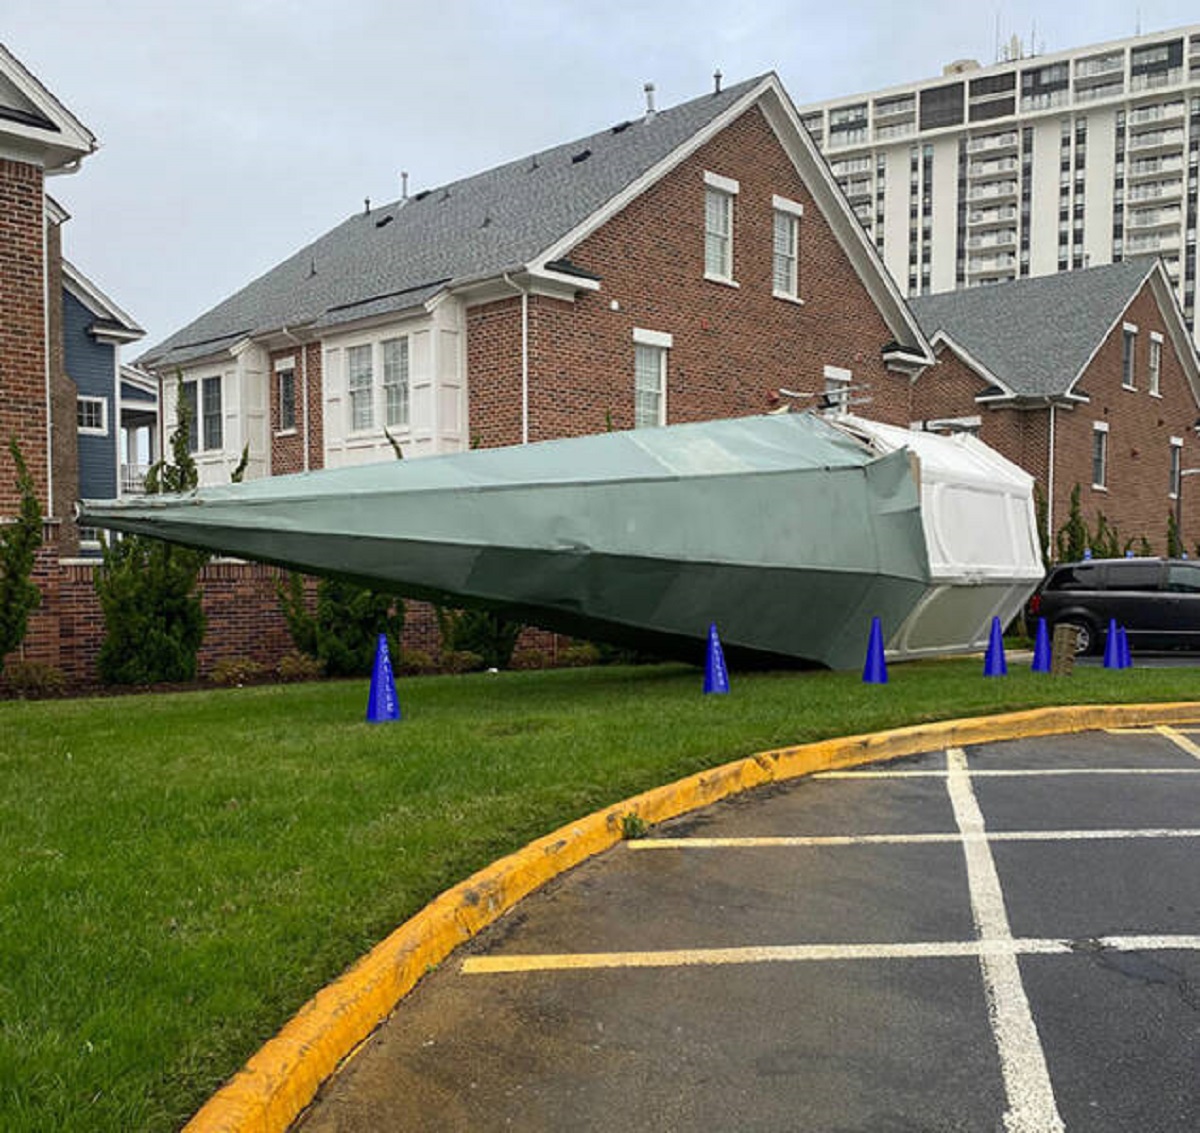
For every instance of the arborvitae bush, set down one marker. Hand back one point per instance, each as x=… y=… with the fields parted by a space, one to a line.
x=19 y=542
x=492 y=636
x=344 y=630
x=153 y=620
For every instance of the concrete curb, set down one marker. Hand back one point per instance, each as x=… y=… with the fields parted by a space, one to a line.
x=278 y=1082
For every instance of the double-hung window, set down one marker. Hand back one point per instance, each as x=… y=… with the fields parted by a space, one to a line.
x=206 y=420
x=1176 y=467
x=1128 y=355
x=719 y=194
x=395 y=382
x=785 y=267
x=212 y=416
x=650 y=378
x=360 y=382
x=1099 y=454
x=285 y=379
x=190 y=400
x=1155 y=378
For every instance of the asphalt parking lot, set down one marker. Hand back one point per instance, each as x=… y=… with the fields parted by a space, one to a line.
x=1003 y=938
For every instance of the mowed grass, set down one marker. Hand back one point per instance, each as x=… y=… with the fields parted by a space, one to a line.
x=179 y=873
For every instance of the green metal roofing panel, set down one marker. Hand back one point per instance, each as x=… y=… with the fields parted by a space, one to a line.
x=787 y=533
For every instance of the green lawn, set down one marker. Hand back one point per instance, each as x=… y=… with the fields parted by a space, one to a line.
x=179 y=873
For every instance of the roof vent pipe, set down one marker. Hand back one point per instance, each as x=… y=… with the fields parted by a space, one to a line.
x=717 y=81
x=404 y=184
x=649 y=89
x=366 y=206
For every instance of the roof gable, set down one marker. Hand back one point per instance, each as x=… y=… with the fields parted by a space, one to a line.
x=524 y=215
x=1035 y=337
x=33 y=123
x=111 y=320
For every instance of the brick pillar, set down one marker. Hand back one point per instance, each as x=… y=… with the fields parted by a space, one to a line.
x=22 y=330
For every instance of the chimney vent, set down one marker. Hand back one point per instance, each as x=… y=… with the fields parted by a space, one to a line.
x=717 y=81
x=650 y=111
x=404 y=184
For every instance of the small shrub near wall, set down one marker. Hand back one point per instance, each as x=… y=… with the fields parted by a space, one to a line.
x=34 y=680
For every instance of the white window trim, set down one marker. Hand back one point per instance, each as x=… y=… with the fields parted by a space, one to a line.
x=724 y=184
x=374 y=433
x=795 y=210
x=730 y=188
x=102 y=431
x=1128 y=329
x=663 y=341
x=198 y=379
x=1100 y=427
x=1155 y=372
x=1176 y=444
x=653 y=338
x=282 y=366
x=839 y=376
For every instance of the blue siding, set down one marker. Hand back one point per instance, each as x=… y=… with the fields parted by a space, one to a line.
x=130 y=392
x=92 y=366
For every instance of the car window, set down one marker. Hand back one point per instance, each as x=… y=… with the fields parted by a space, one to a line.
x=1078 y=576
x=1183 y=578
x=1134 y=576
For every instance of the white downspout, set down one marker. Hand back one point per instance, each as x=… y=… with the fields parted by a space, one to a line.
x=47 y=350
x=524 y=358
x=1050 y=480
x=303 y=389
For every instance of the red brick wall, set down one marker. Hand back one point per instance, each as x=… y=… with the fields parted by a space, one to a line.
x=733 y=347
x=287 y=449
x=22 y=329
x=1140 y=427
x=240 y=604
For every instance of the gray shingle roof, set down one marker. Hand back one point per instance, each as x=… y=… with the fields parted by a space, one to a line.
x=400 y=254
x=1035 y=335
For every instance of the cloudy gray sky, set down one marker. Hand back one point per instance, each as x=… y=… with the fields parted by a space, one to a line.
x=233 y=132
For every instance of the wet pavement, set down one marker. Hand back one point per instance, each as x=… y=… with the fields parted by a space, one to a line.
x=1004 y=938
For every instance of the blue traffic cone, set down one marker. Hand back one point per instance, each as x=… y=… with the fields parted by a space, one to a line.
x=1126 y=655
x=994 y=664
x=382 y=704
x=1112 y=646
x=875 y=670
x=1041 y=649
x=716 y=676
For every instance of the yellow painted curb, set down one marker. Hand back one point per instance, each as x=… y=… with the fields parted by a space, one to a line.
x=270 y=1092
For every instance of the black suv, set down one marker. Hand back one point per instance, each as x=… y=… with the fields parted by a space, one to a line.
x=1156 y=600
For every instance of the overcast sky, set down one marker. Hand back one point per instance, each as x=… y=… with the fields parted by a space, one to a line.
x=233 y=132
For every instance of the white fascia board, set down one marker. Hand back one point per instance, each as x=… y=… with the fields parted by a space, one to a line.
x=653 y=175
x=139 y=378
x=1181 y=339
x=814 y=171
x=115 y=336
x=941 y=338
x=98 y=303
x=63 y=146
x=55 y=213
x=557 y=281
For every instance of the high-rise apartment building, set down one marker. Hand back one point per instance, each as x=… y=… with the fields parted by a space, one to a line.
x=1027 y=167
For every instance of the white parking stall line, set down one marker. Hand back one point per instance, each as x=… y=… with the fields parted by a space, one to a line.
x=1032 y=1108
x=1179 y=740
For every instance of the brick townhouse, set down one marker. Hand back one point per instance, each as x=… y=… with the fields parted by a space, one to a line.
x=1084 y=378
x=684 y=265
